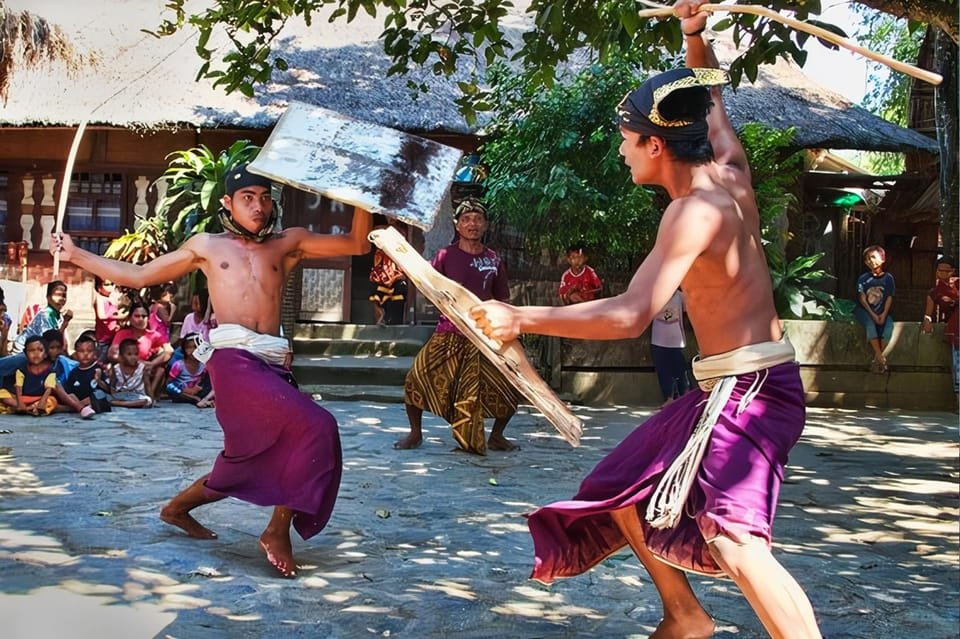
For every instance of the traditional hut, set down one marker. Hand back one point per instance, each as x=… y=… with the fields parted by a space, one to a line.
x=142 y=102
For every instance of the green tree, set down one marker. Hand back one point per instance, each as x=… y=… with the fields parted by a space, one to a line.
x=888 y=94
x=460 y=34
x=555 y=172
x=195 y=187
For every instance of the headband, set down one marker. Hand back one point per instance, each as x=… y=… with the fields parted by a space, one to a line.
x=639 y=111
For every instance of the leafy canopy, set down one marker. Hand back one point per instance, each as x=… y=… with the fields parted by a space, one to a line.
x=888 y=94
x=469 y=35
x=555 y=173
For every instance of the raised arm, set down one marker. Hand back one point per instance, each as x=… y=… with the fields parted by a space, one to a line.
x=166 y=268
x=726 y=145
x=314 y=245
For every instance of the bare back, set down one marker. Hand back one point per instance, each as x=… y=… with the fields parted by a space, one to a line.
x=727 y=288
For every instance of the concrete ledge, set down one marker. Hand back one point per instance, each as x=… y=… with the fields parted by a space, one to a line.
x=834 y=359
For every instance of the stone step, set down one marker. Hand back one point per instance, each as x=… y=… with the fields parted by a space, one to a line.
x=368 y=332
x=344 y=370
x=370 y=347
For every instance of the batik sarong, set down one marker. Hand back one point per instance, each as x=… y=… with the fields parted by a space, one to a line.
x=734 y=492
x=451 y=379
x=279 y=447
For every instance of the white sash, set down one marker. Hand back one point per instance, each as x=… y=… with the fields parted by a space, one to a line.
x=269 y=348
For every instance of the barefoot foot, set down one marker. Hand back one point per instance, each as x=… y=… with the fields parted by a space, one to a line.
x=698 y=626
x=279 y=553
x=409 y=442
x=499 y=442
x=188 y=524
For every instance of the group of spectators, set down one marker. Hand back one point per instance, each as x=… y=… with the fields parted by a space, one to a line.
x=126 y=360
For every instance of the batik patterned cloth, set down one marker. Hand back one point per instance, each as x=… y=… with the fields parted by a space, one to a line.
x=734 y=494
x=451 y=379
x=279 y=447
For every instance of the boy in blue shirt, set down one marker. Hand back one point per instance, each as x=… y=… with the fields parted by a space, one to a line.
x=875 y=290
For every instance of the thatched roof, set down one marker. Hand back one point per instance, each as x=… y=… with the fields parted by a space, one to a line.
x=145 y=82
x=784 y=96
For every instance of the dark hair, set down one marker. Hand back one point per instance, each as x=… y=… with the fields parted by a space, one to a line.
x=34 y=338
x=946 y=259
x=577 y=248
x=86 y=337
x=52 y=335
x=691 y=151
x=136 y=305
x=156 y=292
x=690 y=104
x=126 y=343
x=54 y=285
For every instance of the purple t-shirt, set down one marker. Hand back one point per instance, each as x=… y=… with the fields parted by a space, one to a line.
x=485 y=275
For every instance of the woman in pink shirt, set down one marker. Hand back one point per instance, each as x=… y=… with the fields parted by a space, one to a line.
x=153 y=350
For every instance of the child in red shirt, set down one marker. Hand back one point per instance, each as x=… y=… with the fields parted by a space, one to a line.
x=579 y=283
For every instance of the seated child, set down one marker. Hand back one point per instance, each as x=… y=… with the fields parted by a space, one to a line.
x=87 y=377
x=189 y=382
x=62 y=367
x=162 y=310
x=31 y=392
x=579 y=283
x=53 y=316
x=196 y=320
x=62 y=364
x=126 y=378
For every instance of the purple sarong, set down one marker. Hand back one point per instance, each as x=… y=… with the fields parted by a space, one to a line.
x=734 y=494
x=279 y=447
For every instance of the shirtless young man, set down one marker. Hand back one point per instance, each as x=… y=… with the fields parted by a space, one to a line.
x=284 y=452
x=709 y=245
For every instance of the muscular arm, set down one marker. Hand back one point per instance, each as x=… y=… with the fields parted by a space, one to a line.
x=726 y=145
x=166 y=268
x=314 y=245
x=685 y=232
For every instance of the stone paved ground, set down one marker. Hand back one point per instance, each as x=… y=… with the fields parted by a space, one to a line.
x=430 y=544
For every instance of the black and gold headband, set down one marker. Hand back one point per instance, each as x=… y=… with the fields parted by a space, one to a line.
x=639 y=111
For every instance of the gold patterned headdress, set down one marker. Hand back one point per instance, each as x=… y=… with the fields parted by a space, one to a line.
x=639 y=111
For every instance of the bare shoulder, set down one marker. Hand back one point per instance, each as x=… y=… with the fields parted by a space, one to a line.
x=205 y=245
x=700 y=209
